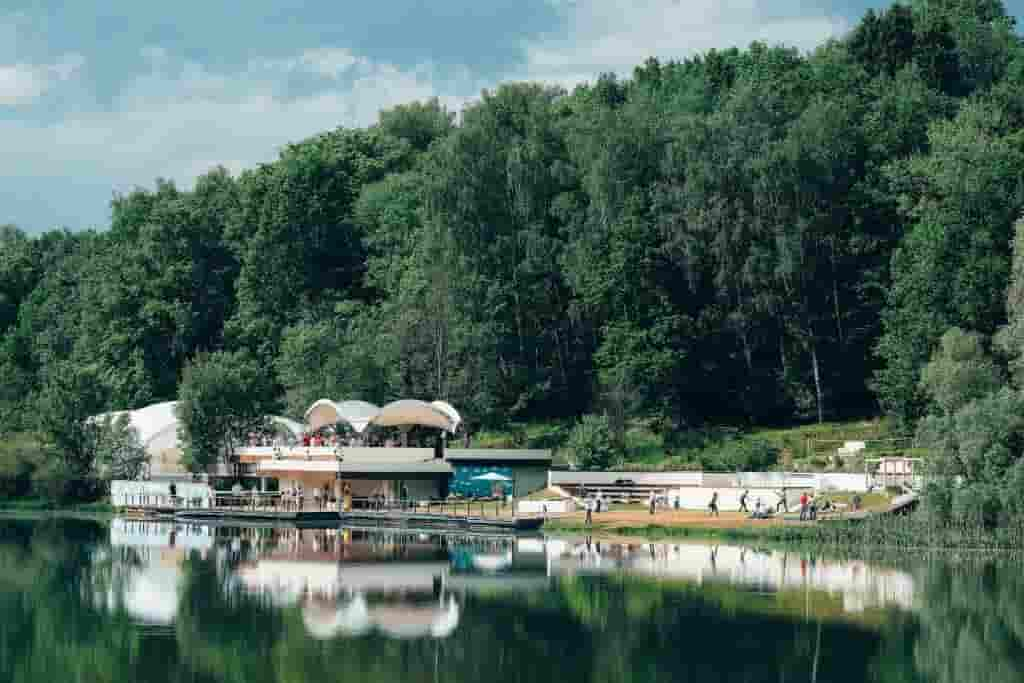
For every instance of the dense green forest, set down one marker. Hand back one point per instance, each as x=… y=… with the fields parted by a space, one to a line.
x=752 y=236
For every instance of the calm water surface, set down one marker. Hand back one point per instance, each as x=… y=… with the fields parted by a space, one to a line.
x=141 y=601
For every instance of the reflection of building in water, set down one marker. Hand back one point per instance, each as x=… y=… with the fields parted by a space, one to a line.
x=147 y=569
x=405 y=584
x=861 y=585
x=359 y=615
x=389 y=583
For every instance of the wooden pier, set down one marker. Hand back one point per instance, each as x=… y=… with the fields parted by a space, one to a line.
x=460 y=515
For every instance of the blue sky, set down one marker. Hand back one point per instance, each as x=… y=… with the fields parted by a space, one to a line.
x=99 y=97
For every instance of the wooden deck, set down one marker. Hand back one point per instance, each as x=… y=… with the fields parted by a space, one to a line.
x=324 y=519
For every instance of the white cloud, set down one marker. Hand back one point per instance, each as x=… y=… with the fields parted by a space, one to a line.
x=179 y=122
x=23 y=83
x=618 y=35
x=180 y=118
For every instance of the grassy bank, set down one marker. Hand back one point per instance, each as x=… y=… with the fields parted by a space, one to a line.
x=808 y=447
x=878 y=532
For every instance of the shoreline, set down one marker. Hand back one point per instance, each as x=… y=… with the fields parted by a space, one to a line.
x=883 y=534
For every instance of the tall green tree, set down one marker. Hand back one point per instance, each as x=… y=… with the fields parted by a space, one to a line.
x=224 y=396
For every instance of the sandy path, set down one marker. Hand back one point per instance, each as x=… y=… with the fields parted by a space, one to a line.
x=688 y=518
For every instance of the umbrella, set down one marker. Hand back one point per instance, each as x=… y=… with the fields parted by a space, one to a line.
x=493 y=476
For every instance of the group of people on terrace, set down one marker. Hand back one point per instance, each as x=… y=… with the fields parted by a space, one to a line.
x=331 y=438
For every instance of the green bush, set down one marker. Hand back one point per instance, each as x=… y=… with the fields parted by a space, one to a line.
x=748 y=455
x=20 y=456
x=590 y=442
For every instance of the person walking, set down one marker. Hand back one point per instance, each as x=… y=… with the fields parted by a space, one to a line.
x=713 y=505
x=743 y=501
x=652 y=502
x=783 y=503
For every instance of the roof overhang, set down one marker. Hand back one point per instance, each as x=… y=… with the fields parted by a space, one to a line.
x=360 y=467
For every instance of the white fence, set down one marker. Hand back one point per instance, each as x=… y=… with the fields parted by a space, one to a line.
x=638 y=478
x=824 y=481
x=157 y=493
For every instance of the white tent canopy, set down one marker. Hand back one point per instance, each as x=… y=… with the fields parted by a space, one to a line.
x=360 y=414
x=412 y=412
x=448 y=410
x=325 y=412
x=493 y=476
x=157 y=425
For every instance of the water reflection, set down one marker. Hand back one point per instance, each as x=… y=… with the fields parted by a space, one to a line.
x=163 y=602
x=405 y=584
x=860 y=585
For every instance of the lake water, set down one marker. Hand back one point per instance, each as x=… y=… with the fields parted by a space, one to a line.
x=139 y=601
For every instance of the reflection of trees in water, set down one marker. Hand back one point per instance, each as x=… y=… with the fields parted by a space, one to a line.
x=971 y=622
x=594 y=629
x=50 y=628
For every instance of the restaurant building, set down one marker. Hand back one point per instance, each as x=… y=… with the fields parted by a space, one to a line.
x=396 y=451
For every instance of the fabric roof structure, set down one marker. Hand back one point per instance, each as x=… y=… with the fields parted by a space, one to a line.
x=360 y=414
x=357 y=414
x=448 y=410
x=157 y=425
x=413 y=412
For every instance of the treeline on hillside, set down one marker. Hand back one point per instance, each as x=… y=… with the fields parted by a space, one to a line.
x=749 y=236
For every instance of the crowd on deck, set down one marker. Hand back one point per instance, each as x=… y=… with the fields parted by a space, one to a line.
x=333 y=437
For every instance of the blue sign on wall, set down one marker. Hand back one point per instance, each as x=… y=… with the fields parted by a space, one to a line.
x=465 y=485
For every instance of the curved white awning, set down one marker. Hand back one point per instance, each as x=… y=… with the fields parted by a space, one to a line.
x=326 y=412
x=450 y=411
x=412 y=412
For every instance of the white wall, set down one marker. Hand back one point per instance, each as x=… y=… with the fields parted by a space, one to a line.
x=537 y=507
x=827 y=481
x=643 y=478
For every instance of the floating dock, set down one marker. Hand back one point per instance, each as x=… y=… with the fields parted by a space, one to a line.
x=384 y=519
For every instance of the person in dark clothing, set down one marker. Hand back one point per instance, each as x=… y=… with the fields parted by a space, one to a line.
x=713 y=505
x=743 y=501
x=590 y=512
x=783 y=503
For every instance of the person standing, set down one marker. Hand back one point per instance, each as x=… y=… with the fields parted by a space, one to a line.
x=653 y=502
x=713 y=505
x=743 y=501
x=803 y=506
x=590 y=511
